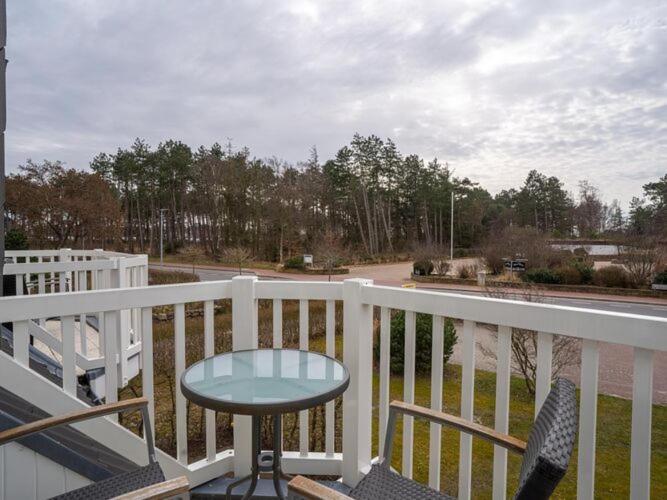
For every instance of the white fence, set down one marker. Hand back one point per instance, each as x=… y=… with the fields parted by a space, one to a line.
x=41 y=272
x=644 y=334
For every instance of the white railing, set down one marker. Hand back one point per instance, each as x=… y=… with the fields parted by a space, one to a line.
x=40 y=272
x=644 y=334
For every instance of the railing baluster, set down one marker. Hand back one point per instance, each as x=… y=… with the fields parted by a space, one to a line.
x=437 y=352
x=409 y=390
x=21 y=342
x=543 y=375
x=110 y=335
x=303 y=345
x=19 y=284
x=209 y=350
x=590 y=355
x=83 y=330
x=503 y=365
x=385 y=348
x=277 y=323
x=68 y=355
x=642 y=401
x=147 y=362
x=467 y=402
x=41 y=289
x=329 y=421
x=181 y=407
x=62 y=282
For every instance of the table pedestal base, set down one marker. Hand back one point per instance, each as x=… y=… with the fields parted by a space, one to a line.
x=263 y=462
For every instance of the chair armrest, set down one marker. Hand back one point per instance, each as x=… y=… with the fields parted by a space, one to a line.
x=312 y=490
x=463 y=425
x=69 y=418
x=166 y=489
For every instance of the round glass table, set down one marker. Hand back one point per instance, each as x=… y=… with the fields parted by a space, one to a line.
x=260 y=382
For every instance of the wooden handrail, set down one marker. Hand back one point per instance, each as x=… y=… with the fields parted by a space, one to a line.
x=159 y=491
x=312 y=490
x=463 y=425
x=69 y=418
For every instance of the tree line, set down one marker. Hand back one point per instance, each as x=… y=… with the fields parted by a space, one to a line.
x=369 y=198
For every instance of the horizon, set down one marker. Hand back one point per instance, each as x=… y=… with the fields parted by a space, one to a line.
x=493 y=90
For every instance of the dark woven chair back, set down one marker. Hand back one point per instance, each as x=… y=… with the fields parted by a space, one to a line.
x=550 y=443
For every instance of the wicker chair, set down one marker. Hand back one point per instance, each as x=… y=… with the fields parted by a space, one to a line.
x=545 y=456
x=142 y=483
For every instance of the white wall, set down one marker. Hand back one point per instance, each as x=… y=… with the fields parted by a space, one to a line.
x=25 y=474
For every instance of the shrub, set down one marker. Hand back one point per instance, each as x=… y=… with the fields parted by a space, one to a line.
x=660 y=278
x=15 y=239
x=611 y=276
x=541 y=275
x=422 y=267
x=156 y=277
x=467 y=272
x=585 y=269
x=441 y=265
x=295 y=262
x=423 y=343
x=568 y=275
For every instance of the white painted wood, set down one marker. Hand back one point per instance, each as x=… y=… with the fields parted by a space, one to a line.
x=298 y=290
x=277 y=323
x=21 y=342
x=41 y=289
x=74 y=481
x=19 y=282
x=435 y=431
x=467 y=402
x=179 y=362
x=119 y=280
x=20 y=472
x=357 y=400
x=543 y=374
x=503 y=366
x=244 y=336
x=20 y=308
x=303 y=345
x=110 y=360
x=385 y=348
x=68 y=355
x=590 y=356
x=408 y=391
x=642 y=400
x=62 y=282
x=83 y=286
x=329 y=420
x=147 y=383
x=209 y=350
x=50 y=477
x=647 y=332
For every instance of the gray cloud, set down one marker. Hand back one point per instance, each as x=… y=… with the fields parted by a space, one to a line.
x=575 y=89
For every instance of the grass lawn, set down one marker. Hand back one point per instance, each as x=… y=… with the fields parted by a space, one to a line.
x=614 y=414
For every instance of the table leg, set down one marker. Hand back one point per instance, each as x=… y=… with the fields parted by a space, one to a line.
x=254 y=474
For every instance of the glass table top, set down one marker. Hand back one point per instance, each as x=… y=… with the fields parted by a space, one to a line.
x=264 y=381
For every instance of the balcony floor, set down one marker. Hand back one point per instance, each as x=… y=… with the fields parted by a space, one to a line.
x=217 y=489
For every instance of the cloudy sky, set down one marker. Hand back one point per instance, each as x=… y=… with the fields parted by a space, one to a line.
x=576 y=89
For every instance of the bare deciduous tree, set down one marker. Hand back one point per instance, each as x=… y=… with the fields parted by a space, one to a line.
x=565 y=351
x=237 y=256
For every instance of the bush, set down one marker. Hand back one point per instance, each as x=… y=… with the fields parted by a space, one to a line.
x=541 y=275
x=660 y=278
x=467 y=272
x=423 y=343
x=295 y=263
x=422 y=267
x=611 y=276
x=15 y=239
x=585 y=269
x=568 y=275
x=156 y=277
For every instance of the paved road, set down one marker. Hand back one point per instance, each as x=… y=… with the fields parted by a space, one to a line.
x=660 y=311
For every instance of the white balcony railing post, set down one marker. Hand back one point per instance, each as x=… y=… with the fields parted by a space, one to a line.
x=357 y=400
x=244 y=336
